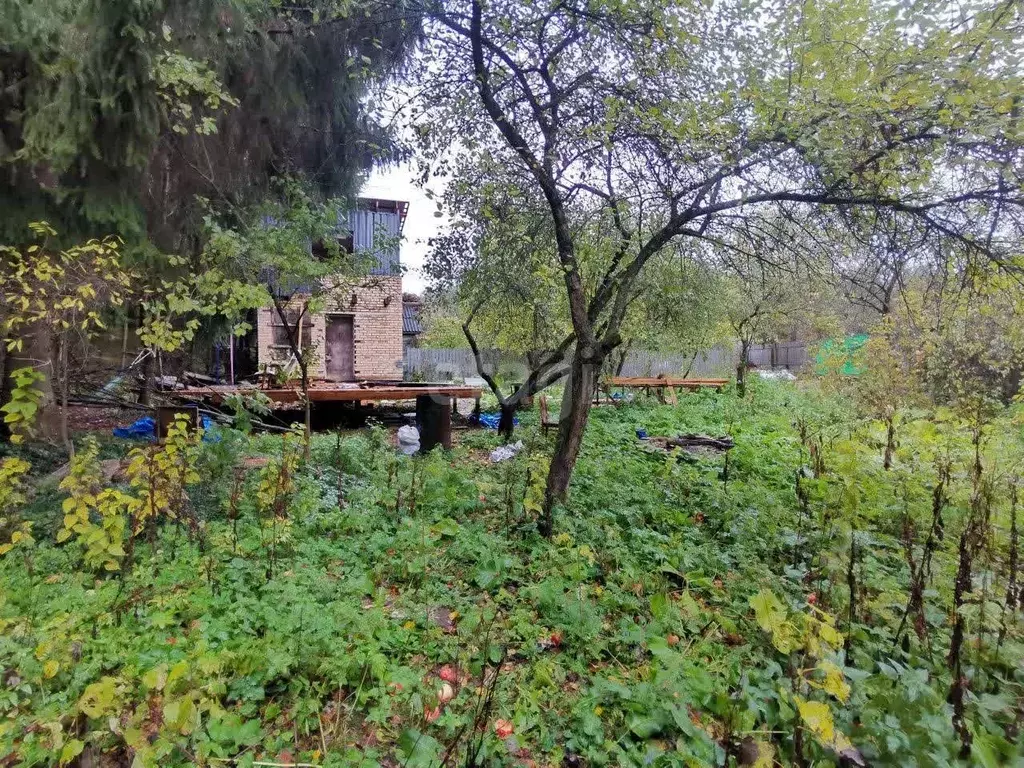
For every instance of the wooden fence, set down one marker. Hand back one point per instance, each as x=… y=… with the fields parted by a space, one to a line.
x=791 y=355
x=422 y=364
x=718 y=360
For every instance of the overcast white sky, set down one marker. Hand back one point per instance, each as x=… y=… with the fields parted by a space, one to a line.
x=396 y=183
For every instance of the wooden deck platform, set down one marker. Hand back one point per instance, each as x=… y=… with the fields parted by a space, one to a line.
x=322 y=393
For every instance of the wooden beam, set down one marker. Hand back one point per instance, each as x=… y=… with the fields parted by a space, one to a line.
x=325 y=394
x=649 y=382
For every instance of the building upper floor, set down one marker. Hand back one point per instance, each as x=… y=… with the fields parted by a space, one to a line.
x=372 y=228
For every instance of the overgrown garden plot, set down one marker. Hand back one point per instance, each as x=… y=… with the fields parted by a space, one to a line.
x=366 y=608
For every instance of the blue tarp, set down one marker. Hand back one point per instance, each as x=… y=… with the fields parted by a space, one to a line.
x=490 y=420
x=145 y=429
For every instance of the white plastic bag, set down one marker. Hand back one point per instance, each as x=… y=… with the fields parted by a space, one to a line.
x=408 y=440
x=504 y=452
x=780 y=374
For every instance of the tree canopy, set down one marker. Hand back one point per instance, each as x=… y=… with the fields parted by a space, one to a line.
x=137 y=117
x=680 y=118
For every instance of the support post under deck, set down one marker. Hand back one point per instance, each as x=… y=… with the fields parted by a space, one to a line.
x=435 y=422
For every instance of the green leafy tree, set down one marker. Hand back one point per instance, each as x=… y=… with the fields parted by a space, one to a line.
x=775 y=289
x=677 y=308
x=52 y=293
x=675 y=118
x=496 y=268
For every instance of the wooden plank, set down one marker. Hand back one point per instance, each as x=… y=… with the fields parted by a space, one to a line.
x=379 y=393
x=640 y=381
x=324 y=394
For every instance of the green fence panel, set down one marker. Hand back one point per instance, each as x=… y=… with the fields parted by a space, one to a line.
x=844 y=349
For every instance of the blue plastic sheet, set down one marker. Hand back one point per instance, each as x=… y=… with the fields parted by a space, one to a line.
x=145 y=429
x=490 y=420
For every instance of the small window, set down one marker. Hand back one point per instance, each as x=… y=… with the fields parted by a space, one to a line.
x=346 y=245
x=280 y=332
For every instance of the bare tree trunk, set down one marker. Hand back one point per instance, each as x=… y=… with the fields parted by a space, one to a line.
x=5 y=387
x=542 y=374
x=294 y=336
x=146 y=380
x=41 y=356
x=741 y=369
x=124 y=343
x=145 y=385
x=624 y=353
x=506 y=424
x=890 y=442
x=572 y=424
x=693 y=359
x=61 y=371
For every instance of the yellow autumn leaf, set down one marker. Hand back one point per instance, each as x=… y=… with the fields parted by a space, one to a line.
x=50 y=668
x=771 y=616
x=817 y=717
x=834 y=683
x=99 y=698
x=831 y=635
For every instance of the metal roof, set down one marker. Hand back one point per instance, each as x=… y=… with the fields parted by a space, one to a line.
x=411 y=318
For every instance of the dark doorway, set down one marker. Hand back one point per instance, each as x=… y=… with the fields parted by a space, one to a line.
x=340 y=359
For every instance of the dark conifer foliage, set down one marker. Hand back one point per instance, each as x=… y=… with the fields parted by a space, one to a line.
x=102 y=105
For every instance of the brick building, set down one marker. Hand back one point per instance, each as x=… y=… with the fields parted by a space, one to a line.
x=358 y=336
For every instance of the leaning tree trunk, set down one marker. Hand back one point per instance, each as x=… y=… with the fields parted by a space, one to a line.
x=623 y=354
x=572 y=424
x=146 y=372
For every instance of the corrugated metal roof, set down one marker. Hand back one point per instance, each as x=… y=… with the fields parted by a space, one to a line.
x=411 y=319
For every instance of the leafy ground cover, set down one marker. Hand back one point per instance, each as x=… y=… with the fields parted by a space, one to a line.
x=791 y=603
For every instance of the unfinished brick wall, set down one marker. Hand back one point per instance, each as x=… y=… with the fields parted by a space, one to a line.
x=377 y=330
x=280 y=354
